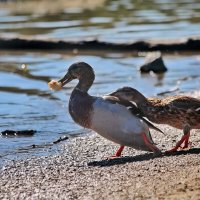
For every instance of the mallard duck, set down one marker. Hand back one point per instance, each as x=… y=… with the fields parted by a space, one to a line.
x=108 y=118
x=181 y=112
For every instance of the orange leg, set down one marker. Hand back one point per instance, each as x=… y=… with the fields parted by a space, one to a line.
x=150 y=145
x=185 y=138
x=118 y=153
x=187 y=143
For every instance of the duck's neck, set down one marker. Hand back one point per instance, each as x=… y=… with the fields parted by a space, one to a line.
x=139 y=98
x=85 y=81
x=80 y=104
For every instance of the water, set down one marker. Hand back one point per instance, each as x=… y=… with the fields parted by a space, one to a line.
x=25 y=99
x=113 y=21
x=27 y=103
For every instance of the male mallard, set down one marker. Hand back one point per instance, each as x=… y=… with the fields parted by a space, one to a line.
x=181 y=112
x=111 y=120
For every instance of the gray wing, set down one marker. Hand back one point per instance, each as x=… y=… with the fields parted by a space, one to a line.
x=133 y=109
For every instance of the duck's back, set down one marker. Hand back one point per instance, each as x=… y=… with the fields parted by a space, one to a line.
x=175 y=111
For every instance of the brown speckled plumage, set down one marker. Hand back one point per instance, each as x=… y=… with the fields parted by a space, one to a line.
x=182 y=112
x=175 y=111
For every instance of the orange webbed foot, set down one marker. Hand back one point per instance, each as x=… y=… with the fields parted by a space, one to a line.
x=185 y=140
x=187 y=145
x=118 y=153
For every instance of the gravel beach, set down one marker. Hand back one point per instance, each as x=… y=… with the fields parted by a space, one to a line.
x=80 y=171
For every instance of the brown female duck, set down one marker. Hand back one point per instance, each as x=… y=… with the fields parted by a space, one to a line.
x=111 y=120
x=181 y=112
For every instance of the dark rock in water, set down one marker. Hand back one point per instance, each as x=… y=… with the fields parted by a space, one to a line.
x=61 y=139
x=25 y=133
x=154 y=62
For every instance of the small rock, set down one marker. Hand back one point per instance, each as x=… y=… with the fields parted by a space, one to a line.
x=153 y=62
x=24 y=133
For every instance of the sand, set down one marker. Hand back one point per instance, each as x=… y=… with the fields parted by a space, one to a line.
x=79 y=170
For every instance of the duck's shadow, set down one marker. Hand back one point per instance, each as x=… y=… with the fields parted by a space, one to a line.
x=143 y=157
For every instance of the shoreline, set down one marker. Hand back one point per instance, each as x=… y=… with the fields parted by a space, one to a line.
x=165 y=45
x=79 y=170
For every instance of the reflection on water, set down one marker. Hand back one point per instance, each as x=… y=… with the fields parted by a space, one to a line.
x=108 y=20
x=27 y=103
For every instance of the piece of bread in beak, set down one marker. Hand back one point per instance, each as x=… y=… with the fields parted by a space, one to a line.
x=55 y=85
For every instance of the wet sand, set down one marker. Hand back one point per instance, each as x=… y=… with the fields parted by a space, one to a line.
x=80 y=171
